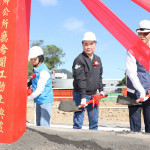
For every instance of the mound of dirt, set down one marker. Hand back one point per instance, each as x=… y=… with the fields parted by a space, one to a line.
x=40 y=138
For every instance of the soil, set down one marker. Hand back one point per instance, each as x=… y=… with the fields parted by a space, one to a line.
x=108 y=115
x=42 y=138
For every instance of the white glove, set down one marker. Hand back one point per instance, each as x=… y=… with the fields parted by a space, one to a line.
x=145 y=98
x=143 y=95
x=83 y=101
x=29 y=98
x=102 y=93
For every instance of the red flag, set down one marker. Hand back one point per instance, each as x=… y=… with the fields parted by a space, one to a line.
x=143 y=3
x=120 y=31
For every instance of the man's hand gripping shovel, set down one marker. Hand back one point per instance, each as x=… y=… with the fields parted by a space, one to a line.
x=127 y=101
x=70 y=106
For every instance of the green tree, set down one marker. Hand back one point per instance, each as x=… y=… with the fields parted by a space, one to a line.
x=30 y=69
x=123 y=81
x=52 y=55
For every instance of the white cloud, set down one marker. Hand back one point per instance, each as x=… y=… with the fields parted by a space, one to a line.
x=73 y=24
x=49 y=2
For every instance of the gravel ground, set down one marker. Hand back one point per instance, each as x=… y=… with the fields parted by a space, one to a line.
x=50 y=138
x=40 y=138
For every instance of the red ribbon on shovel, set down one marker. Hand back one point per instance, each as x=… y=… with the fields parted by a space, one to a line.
x=95 y=101
x=29 y=89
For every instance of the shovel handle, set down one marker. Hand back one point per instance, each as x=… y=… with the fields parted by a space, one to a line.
x=141 y=99
x=91 y=101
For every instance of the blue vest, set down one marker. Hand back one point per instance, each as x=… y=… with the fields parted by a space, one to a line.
x=47 y=95
x=144 y=78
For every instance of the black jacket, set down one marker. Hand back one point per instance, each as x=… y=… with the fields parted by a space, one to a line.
x=87 y=77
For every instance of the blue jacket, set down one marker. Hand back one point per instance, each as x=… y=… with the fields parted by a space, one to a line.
x=144 y=78
x=47 y=95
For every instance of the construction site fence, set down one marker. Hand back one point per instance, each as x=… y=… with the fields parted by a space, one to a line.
x=67 y=94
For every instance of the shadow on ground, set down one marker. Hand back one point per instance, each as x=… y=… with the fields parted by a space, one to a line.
x=85 y=144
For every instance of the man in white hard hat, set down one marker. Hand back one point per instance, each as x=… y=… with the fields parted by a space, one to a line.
x=41 y=86
x=138 y=83
x=87 y=74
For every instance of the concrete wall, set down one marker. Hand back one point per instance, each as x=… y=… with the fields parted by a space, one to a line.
x=109 y=84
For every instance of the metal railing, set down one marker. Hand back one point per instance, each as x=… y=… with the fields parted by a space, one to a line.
x=56 y=106
x=63 y=98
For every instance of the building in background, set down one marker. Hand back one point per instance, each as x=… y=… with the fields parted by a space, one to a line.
x=63 y=74
x=111 y=85
x=63 y=79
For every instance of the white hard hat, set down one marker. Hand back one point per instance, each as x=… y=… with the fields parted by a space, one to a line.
x=89 y=36
x=35 y=51
x=144 y=26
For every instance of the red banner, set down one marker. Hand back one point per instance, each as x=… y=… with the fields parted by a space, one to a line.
x=14 y=45
x=143 y=3
x=120 y=31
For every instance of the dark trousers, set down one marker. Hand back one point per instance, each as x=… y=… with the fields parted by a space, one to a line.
x=78 y=117
x=135 y=116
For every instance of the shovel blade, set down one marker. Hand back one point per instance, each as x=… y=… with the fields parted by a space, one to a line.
x=125 y=100
x=68 y=106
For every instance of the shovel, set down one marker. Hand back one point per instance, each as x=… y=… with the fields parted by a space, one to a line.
x=70 y=106
x=128 y=101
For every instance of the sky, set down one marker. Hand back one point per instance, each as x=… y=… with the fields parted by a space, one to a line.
x=64 y=22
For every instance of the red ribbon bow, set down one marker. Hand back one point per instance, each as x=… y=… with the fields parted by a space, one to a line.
x=33 y=76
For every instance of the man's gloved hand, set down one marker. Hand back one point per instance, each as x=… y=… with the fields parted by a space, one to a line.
x=83 y=101
x=102 y=93
x=144 y=98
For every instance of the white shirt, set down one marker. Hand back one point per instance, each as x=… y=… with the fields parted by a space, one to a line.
x=132 y=74
x=44 y=76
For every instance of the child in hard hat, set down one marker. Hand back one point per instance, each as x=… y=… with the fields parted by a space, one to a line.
x=41 y=86
x=87 y=74
x=138 y=83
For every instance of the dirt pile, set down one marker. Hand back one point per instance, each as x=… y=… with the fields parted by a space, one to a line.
x=40 y=138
